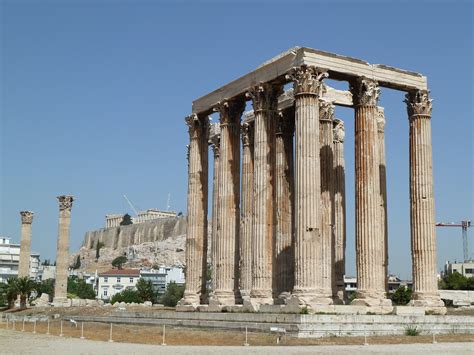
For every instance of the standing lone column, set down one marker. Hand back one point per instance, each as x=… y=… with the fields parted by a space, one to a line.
x=226 y=290
x=383 y=187
x=422 y=214
x=326 y=115
x=265 y=100
x=308 y=86
x=62 y=254
x=369 y=239
x=196 y=234
x=339 y=208
x=25 y=244
x=214 y=140
x=246 y=227
x=284 y=279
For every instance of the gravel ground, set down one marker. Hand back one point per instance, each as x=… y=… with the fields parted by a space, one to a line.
x=14 y=342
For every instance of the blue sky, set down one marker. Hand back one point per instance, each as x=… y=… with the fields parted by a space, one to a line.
x=94 y=93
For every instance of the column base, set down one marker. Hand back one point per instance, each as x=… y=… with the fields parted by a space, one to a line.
x=61 y=302
x=310 y=297
x=371 y=299
x=245 y=295
x=190 y=299
x=283 y=297
x=223 y=298
x=258 y=298
x=430 y=301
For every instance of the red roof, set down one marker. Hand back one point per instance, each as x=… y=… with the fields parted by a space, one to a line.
x=122 y=272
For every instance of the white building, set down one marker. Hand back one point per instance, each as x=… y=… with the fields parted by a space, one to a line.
x=115 y=281
x=46 y=272
x=163 y=276
x=466 y=269
x=10 y=258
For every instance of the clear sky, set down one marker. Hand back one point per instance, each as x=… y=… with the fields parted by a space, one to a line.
x=94 y=93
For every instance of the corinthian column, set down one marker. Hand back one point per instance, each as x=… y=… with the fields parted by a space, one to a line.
x=339 y=208
x=246 y=211
x=383 y=188
x=226 y=291
x=264 y=98
x=369 y=239
x=422 y=214
x=284 y=262
x=308 y=288
x=326 y=115
x=196 y=234
x=214 y=140
x=25 y=243
x=62 y=254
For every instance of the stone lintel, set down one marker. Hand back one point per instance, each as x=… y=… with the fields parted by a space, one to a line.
x=339 y=68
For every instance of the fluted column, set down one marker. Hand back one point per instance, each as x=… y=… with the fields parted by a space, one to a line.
x=215 y=144
x=339 y=208
x=284 y=261
x=422 y=214
x=369 y=239
x=308 y=288
x=326 y=115
x=383 y=188
x=25 y=243
x=196 y=234
x=246 y=227
x=62 y=254
x=226 y=290
x=264 y=98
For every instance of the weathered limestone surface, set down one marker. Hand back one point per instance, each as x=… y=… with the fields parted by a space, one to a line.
x=196 y=240
x=422 y=214
x=215 y=144
x=369 y=239
x=308 y=245
x=246 y=226
x=25 y=243
x=62 y=254
x=264 y=99
x=339 y=208
x=284 y=261
x=383 y=187
x=226 y=284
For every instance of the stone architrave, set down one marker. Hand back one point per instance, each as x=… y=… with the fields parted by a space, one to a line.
x=25 y=243
x=339 y=208
x=196 y=235
x=369 y=239
x=383 y=186
x=265 y=99
x=215 y=144
x=284 y=261
x=62 y=254
x=308 y=87
x=326 y=116
x=226 y=281
x=422 y=213
x=246 y=226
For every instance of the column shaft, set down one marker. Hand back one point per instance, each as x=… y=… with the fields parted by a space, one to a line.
x=62 y=254
x=215 y=203
x=25 y=244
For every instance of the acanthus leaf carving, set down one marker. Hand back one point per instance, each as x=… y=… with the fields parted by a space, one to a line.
x=265 y=96
x=247 y=133
x=339 y=132
x=326 y=110
x=26 y=217
x=418 y=103
x=65 y=202
x=230 y=110
x=308 y=80
x=380 y=119
x=365 y=91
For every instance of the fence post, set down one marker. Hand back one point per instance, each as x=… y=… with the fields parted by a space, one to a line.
x=47 y=332
x=7 y=322
x=14 y=328
x=61 y=333
x=110 y=337
x=163 y=343
x=365 y=336
x=34 y=327
x=434 y=338
x=82 y=330
x=246 y=338
x=23 y=327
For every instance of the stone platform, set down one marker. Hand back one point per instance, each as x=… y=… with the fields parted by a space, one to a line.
x=298 y=325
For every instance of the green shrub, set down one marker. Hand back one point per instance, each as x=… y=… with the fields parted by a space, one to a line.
x=173 y=294
x=79 y=288
x=401 y=296
x=127 y=296
x=412 y=330
x=304 y=310
x=145 y=291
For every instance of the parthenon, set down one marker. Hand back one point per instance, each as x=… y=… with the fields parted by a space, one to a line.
x=278 y=201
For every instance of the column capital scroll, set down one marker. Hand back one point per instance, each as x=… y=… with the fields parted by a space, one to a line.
x=326 y=111
x=338 y=130
x=308 y=80
x=418 y=103
x=380 y=119
x=247 y=133
x=65 y=202
x=265 y=96
x=197 y=125
x=26 y=217
x=365 y=91
x=230 y=111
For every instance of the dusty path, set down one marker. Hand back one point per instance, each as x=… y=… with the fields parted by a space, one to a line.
x=14 y=342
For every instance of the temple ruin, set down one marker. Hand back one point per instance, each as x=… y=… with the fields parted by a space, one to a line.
x=278 y=223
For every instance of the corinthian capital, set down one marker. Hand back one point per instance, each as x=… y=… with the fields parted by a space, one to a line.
x=26 y=217
x=197 y=126
x=419 y=103
x=365 y=92
x=326 y=111
x=265 y=96
x=65 y=202
x=307 y=80
x=230 y=110
x=339 y=132
x=247 y=133
x=380 y=119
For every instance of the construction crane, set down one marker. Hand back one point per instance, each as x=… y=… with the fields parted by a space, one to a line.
x=464 y=226
x=131 y=205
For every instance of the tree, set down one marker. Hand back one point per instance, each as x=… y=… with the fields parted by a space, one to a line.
x=24 y=287
x=80 y=288
x=401 y=296
x=98 y=246
x=127 y=296
x=119 y=261
x=456 y=281
x=47 y=287
x=46 y=262
x=126 y=220
x=145 y=290
x=173 y=294
x=10 y=291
